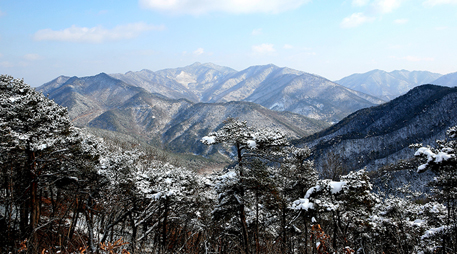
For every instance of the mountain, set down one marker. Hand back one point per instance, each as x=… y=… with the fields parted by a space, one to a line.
x=387 y=85
x=280 y=89
x=104 y=102
x=185 y=82
x=447 y=80
x=376 y=136
x=88 y=97
x=178 y=125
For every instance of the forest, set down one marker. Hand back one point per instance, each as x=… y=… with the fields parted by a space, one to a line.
x=64 y=190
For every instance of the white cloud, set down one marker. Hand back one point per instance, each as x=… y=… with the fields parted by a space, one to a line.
x=96 y=34
x=355 y=20
x=263 y=48
x=197 y=7
x=432 y=3
x=359 y=2
x=257 y=31
x=32 y=57
x=199 y=51
x=401 y=21
x=386 y=6
x=288 y=46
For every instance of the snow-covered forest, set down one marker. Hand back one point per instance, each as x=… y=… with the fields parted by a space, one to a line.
x=64 y=190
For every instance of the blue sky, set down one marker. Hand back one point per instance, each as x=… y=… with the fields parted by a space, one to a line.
x=40 y=40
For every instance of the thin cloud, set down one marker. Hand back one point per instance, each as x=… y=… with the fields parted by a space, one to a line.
x=263 y=48
x=414 y=58
x=32 y=57
x=359 y=3
x=431 y=3
x=401 y=21
x=257 y=31
x=2 y=13
x=197 y=7
x=386 y=6
x=199 y=51
x=441 y=28
x=6 y=64
x=288 y=46
x=96 y=34
x=355 y=20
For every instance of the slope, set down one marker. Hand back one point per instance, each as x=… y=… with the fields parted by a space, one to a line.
x=380 y=135
x=88 y=97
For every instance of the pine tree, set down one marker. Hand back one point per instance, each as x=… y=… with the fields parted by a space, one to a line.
x=443 y=161
x=40 y=150
x=249 y=144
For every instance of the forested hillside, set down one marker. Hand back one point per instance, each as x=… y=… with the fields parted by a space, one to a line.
x=66 y=191
x=381 y=135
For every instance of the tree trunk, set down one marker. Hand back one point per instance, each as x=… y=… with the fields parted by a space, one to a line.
x=34 y=200
x=244 y=226
x=164 y=225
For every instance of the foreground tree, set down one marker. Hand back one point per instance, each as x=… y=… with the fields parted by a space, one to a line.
x=249 y=144
x=442 y=161
x=36 y=136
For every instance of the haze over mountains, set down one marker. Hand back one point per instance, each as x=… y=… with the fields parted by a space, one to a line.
x=389 y=85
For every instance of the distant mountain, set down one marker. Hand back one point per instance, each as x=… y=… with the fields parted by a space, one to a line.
x=88 y=97
x=380 y=135
x=104 y=102
x=280 y=89
x=446 y=80
x=185 y=82
x=387 y=85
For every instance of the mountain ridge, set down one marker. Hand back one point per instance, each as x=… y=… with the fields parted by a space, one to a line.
x=387 y=85
x=380 y=135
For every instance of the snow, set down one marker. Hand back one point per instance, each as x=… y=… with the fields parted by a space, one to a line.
x=440 y=157
x=252 y=144
x=337 y=187
x=302 y=204
x=431 y=232
x=209 y=140
x=13 y=99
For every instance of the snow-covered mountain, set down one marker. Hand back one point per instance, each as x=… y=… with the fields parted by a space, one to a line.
x=280 y=89
x=446 y=80
x=104 y=102
x=380 y=135
x=387 y=85
x=185 y=82
x=88 y=97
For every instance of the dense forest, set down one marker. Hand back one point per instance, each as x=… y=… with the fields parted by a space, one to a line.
x=64 y=190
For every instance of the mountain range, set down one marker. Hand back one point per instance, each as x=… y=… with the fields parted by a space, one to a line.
x=280 y=89
x=389 y=85
x=105 y=102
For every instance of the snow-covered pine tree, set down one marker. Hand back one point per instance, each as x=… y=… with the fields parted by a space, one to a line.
x=442 y=160
x=38 y=145
x=249 y=144
x=343 y=207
